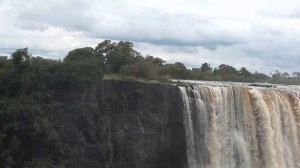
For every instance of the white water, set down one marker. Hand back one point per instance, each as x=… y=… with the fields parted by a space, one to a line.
x=239 y=126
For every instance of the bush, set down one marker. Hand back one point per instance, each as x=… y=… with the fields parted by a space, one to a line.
x=143 y=70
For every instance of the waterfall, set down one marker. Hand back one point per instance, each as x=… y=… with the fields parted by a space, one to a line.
x=231 y=126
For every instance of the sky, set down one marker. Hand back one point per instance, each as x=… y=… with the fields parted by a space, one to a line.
x=261 y=35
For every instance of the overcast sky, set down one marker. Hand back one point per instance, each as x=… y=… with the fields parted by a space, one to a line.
x=261 y=35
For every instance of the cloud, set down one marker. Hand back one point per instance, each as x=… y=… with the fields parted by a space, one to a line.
x=37 y=14
x=259 y=35
x=162 y=28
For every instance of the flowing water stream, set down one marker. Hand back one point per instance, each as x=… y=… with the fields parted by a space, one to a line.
x=240 y=126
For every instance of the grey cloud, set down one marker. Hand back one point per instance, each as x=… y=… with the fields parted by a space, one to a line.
x=209 y=44
x=284 y=65
x=273 y=54
x=126 y=23
x=36 y=52
x=268 y=44
x=185 y=49
x=166 y=29
x=67 y=14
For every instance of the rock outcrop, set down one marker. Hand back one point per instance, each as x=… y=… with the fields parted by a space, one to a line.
x=142 y=125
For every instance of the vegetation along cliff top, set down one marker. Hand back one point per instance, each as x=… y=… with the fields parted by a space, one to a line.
x=120 y=61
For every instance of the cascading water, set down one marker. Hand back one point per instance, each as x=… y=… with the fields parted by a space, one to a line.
x=230 y=126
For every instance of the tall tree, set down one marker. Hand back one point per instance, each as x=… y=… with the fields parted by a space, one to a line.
x=82 y=65
x=245 y=72
x=206 y=67
x=20 y=57
x=115 y=55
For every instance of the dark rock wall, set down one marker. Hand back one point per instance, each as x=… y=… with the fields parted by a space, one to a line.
x=118 y=124
x=141 y=125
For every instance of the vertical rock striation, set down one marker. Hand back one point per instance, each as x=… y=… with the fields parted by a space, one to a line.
x=143 y=125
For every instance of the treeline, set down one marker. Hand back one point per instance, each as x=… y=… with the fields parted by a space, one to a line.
x=37 y=126
x=120 y=58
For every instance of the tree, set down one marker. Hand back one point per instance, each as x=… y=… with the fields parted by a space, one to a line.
x=285 y=75
x=227 y=72
x=25 y=98
x=20 y=57
x=277 y=74
x=206 y=67
x=81 y=65
x=177 y=70
x=157 y=61
x=198 y=74
x=245 y=72
x=115 y=55
x=104 y=48
x=80 y=54
x=227 y=69
x=260 y=76
x=143 y=67
x=145 y=70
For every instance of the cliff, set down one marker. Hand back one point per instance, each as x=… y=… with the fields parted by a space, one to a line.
x=124 y=124
x=143 y=125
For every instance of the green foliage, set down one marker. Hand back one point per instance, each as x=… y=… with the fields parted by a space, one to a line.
x=260 y=76
x=80 y=54
x=81 y=65
x=156 y=61
x=30 y=94
x=201 y=74
x=244 y=72
x=177 y=71
x=24 y=130
x=145 y=68
x=115 y=55
x=278 y=74
x=20 y=57
x=284 y=78
x=206 y=67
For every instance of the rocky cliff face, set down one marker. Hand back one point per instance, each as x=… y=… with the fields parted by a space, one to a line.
x=142 y=125
x=121 y=124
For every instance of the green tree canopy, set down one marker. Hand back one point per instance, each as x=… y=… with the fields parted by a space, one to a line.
x=80 y=54
x=115 y=55
x=245 y=72
x=206 y=67
x=81 y=65
x=20 y=57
